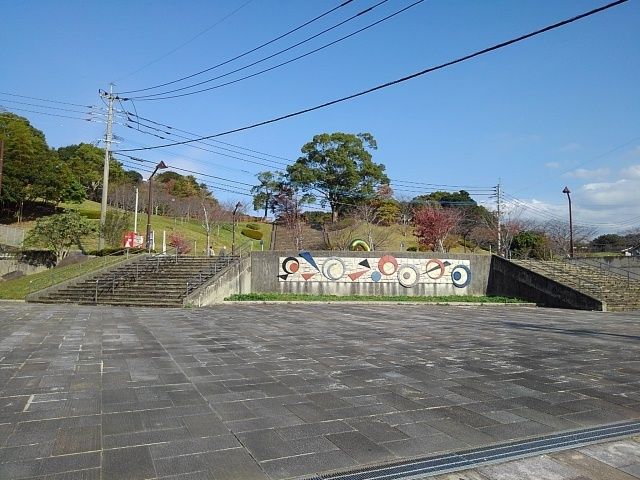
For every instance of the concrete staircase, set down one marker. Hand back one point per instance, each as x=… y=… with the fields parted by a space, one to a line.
x=158 y=281
x=620 y=291
x=310 y=239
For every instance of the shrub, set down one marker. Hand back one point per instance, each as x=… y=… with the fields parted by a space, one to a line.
x=254 y=234
x=180 y=243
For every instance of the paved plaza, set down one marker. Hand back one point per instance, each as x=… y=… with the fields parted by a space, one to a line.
x=278 y=391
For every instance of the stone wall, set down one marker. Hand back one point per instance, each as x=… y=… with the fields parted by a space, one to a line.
x=369 y=273
x=511 y=280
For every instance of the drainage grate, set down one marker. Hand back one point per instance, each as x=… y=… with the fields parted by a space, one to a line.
x=418 y=468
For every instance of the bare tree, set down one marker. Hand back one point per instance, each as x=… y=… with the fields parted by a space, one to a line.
x=559 y=235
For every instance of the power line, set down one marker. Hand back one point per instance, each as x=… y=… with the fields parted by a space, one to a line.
x=164 y=96
x=46 y=100
x=129 y=114
x=400 y=80
x=346 y=2
x=188 y=41
x=62 y=109
x=51 y=114
x=208 y=144
x=401 y=183
x=188 y=171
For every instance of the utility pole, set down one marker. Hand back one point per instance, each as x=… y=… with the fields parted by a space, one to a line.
x=105 y=174
x=499 y=218
x=1 y=162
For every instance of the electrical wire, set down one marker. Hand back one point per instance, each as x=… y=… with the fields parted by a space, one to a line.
x=47 y=100
x=288 y=160
x=401 y=80
x=50 y=114
x=62 y=109
x=475 y=190
x=165 y=96
x=344 y=3
x=188 y=41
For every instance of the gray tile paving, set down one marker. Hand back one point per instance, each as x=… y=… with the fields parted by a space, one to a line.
x=279 y=391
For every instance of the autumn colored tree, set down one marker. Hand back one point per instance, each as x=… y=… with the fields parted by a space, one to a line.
x=434 y=224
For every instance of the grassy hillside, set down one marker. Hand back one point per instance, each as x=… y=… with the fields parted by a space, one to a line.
x=221 y=234
x=391 y=238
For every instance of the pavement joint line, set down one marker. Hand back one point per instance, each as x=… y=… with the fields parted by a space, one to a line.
x=26 y=407
x=436 y=465
x=170 y=355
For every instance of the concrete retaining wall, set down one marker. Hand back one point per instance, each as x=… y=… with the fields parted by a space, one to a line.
x=511 y=280
x=236 y=278
x=15 y=265
x=267 y=271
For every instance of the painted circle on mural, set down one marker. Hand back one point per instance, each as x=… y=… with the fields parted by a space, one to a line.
x=435 y=269
x=333 y=268
x=388 y=265
x=290 y=265
x=376 y=276
x=461 y=276
x=408 y=276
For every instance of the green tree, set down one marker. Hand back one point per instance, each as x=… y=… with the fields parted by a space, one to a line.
x=338 y=167
x=530 y=244
x=263 y=194
x=609 y=242
x=116 y=223
x=60 y=232
x=31 y=170
x=86 y=162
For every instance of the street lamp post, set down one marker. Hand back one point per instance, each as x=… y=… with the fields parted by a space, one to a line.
x=568 y=192
x=150 y=205
x=233 y=229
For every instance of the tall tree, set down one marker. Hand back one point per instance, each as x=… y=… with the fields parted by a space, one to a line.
x=86 y=161
x=338 y=167
x=31 y=169
x=263 y=193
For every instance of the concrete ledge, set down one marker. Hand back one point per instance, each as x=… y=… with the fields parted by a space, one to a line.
x=375 y=302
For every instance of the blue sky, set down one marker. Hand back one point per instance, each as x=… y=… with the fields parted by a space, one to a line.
x=560 y=109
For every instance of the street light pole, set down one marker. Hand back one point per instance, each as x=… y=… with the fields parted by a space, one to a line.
x=568 y=192
x=233 y=229
x=150 y=205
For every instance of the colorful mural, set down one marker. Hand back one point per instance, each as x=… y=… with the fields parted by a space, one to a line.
x=408 y=272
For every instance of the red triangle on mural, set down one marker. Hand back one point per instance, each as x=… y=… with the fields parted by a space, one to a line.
x=355 y=275
x=307 y=276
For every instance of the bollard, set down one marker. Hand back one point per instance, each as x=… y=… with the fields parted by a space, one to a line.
x=95 y=300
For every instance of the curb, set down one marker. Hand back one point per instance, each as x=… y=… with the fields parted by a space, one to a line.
x=374 y=302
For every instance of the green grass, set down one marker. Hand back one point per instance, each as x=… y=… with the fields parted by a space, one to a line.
x=193 y=231
x=290 y=297
x=19 y=288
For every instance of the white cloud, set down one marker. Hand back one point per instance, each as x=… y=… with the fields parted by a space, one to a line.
x=570 y=147
x=583 y=173
x=631 y=172
x=552 y=165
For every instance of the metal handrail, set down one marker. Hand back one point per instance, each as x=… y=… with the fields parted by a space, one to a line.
x=603 y=266
x=206 y=273
x=549 y=266
x=54 y=276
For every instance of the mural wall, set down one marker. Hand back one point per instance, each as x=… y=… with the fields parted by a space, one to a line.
x=407 y=272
